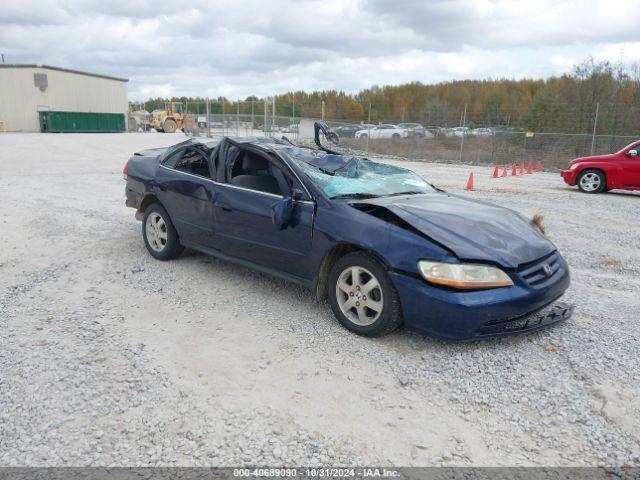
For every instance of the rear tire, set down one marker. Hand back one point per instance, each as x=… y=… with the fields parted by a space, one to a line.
x=395 y=135
x=592 y=181
x=362 y=297
x=169 y=126
x=160 y=236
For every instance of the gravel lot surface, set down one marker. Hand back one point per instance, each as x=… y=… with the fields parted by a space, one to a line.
x=109 y=357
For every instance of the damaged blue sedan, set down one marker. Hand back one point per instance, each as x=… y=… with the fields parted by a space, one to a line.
x=385 y=247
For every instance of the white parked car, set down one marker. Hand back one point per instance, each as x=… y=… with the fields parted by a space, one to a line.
x=384 y=130
x=483 y=132
x=459 y=132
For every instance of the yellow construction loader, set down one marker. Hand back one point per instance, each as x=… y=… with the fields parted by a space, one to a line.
x=170 y=119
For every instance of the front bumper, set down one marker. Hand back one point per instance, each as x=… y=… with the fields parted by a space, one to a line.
x=569 y=176
x=459 y=315
x=555 y=313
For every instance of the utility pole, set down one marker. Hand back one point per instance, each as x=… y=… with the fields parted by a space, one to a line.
x=264 y=127
x=208 y=120
x=252 y=117
x=224 y=120
x=323 y=108
x=595 y=126
x=464 y=121
x=238 y=118
x=2 y=55
x=273 y=113
x=368 y=127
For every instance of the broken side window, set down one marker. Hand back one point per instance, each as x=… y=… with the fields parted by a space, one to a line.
x=255 y=171
x=189 y=160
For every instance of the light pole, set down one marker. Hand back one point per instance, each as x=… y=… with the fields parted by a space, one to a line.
x=293 y=111
x=463 y=121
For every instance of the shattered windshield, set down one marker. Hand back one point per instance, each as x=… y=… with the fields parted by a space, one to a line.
x=359 y=177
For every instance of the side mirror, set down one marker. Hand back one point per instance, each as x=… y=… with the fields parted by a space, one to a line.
x=282 y=212
x=632 y=153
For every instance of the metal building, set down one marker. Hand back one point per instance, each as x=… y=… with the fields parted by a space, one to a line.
x=37 y=98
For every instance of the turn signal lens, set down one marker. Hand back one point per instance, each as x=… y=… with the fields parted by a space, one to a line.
x=465 y=276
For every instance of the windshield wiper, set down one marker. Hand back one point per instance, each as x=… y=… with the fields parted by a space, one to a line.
x=411 y=192
x=354 y=195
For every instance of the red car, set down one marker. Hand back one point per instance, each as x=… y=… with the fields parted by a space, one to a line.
x=620 y=170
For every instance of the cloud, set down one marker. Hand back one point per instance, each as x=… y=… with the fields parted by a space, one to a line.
x=508 y=24
x=255 y=47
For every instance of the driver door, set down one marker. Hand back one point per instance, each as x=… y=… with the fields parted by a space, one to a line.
x=631 y=168
x=251 y=186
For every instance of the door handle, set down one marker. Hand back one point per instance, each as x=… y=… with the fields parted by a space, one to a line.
x=226 y=209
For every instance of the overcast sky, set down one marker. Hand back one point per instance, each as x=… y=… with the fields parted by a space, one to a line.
x=239 y=48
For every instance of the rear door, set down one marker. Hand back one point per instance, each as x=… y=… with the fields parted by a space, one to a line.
x=186 y=189
x=244 y=215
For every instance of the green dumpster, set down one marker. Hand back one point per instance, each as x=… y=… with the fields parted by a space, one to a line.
x=52 y=121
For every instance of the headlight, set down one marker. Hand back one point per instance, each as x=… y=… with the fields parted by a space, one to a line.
x=574 y=166
x=464 y=276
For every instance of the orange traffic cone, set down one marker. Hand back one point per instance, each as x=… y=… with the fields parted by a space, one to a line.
x=521 y=168
x=539 y=167
x=504 y=171
x=496 y=171
x=514 y=170
x=529 y=168
x=469 y=182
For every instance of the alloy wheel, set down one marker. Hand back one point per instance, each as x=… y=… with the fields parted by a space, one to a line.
x=590 y=182
x=156 y=230
x=359 y=295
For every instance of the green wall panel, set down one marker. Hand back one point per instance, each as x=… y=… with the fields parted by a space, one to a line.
x=81 y=122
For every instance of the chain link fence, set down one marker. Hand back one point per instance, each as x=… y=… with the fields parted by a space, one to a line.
x=434 y=143
x=554 y=150
x=215 y=119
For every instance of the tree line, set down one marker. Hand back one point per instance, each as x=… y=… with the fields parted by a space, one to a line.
x=563 y=104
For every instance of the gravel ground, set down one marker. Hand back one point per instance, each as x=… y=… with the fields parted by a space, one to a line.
x=108 y=357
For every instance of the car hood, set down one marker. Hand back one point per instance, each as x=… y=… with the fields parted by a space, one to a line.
x=472 y=230
x=595 y=158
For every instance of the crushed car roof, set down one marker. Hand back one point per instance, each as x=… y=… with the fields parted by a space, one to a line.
x=328 y=162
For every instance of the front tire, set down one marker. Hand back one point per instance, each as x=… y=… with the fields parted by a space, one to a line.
x=169 y=126
x=362 y=297
x=592 y=181
x=160 y=236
